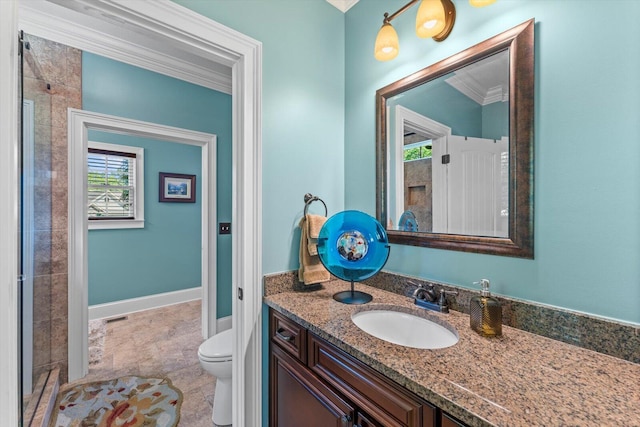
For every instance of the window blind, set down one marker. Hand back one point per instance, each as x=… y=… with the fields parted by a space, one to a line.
x=111 y=184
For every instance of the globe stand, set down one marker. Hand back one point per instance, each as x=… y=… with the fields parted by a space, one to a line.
x=352 y=296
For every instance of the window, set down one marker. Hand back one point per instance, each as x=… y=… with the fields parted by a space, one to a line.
x=115 y=186
x=418 y=150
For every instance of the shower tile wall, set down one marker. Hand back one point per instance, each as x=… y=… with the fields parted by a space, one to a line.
x=53 y=80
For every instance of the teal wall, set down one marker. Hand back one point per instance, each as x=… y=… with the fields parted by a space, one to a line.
x=111 y=87
x=302 y=110
x=462 y=114
x=163 y=256
x=495 y=120
x=587 y=150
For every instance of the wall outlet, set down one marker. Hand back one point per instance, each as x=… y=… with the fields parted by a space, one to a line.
x=224 y=228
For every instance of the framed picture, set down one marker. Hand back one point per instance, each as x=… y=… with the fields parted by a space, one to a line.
x=177 y=188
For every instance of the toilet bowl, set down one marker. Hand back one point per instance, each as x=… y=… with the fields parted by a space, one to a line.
x=215 y=358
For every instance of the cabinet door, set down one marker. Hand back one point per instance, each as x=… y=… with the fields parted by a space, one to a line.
x=379 y=398
x=364 y=421
x=298 y=398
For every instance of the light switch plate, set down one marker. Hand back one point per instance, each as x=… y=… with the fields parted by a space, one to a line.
x=224 y=228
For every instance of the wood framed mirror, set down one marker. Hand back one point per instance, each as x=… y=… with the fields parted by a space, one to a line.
x=454 y=150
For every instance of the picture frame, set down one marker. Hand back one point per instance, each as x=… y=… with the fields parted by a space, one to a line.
x=177 y=188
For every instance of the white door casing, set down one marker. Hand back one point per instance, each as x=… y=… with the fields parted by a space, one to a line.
x=406 y=119
x=9 y=170
x=243 y=54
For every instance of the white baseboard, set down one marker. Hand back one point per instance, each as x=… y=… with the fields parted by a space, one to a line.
x=224 y=323
x=127 y=306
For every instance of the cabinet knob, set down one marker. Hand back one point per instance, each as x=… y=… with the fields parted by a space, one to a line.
x=346 y=418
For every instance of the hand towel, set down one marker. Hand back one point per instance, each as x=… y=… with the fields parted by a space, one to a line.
x=314 y=225
x=311 y=269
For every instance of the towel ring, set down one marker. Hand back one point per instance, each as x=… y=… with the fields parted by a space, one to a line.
x=309 y=198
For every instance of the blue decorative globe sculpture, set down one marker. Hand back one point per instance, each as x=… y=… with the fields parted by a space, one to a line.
x=353 y=246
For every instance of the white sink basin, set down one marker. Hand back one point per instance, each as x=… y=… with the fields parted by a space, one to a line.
x=405 y=329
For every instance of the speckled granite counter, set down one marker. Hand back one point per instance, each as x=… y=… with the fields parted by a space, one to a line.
x=520 y=379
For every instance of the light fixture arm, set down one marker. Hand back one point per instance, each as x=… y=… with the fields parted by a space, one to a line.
x=399 y=12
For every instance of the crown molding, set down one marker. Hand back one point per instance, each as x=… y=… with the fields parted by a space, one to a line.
x=343 y=5
x=113 y=39
x=486 y=81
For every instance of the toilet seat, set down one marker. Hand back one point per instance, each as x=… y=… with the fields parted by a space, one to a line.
x=218 y=348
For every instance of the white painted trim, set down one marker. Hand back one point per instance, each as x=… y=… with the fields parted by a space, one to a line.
x=76 y=30
x=247 y=240
x=398 y=165
x=138 y=222
x=149 y=302
x=9 y=149
x=244 y=54
x=404 y=118
x=116 y=224
x=224 y=323
x=343 y=5
x=79 y=124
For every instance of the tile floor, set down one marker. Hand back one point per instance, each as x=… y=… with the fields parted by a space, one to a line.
x=160 y=342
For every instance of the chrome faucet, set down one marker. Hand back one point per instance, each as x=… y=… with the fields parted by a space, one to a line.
x=426 y=296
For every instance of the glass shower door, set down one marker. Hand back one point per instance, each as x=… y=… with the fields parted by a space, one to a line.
x=35 y=226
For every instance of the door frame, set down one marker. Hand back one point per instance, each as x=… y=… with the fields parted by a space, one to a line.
x=80 y=122
x=244 y=55
x=9 y=174
x=439 y=133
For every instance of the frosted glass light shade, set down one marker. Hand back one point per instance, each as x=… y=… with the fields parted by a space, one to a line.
x=481 y=3
x=387 y=45
x=430 y=20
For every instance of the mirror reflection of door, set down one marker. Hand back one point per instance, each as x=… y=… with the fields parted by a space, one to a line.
x=449 y=153
x=450 y=183
x=478 y=175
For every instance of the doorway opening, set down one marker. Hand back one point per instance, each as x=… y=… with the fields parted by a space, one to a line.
x=80 y=123
x=178 y=26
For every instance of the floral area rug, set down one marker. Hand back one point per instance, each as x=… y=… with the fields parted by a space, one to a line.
x=122 y=402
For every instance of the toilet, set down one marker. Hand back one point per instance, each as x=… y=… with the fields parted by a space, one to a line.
x=215 y=358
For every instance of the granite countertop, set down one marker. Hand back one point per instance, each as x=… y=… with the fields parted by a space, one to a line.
x=519 y=379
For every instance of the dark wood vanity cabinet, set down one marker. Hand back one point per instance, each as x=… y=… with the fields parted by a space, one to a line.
x=301 y=399
x=313 y=383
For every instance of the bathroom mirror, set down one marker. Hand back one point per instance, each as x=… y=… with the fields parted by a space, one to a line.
x=454 y=150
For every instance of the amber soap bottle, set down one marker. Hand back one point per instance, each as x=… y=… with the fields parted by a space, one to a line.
x=485 y=312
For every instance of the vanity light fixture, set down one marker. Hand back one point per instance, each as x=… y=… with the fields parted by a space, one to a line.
x=481 y=3
x=434 y=20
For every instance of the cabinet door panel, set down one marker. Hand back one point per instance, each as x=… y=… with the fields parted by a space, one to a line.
x=298 y=398
x=376 y=395
x=363 y=421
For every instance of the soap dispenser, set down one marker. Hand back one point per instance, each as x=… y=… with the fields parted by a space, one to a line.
x=485 y=312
